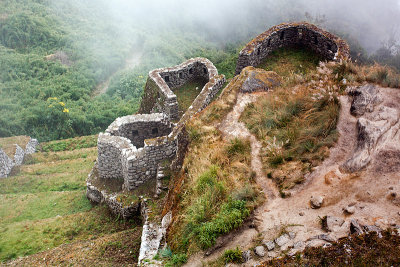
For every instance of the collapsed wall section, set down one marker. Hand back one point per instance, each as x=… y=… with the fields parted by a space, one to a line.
x=321 y=42
x=7 y=163
x=158 y=95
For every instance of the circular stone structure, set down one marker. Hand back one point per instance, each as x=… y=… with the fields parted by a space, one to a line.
x=304 y=34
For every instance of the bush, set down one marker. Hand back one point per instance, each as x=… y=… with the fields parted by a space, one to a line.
x=233 y=255
x=230 y=216
x=176 y=260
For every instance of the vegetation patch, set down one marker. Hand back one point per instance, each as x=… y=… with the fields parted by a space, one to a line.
x=45 y=205
x=296 y=123
x=293 y=60
x=70 y=144
x=233 y=255
x=218 y=192
x=187 y=93
x=363 y=250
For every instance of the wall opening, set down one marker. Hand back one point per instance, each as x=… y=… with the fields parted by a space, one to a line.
x=180 y=75
x=135 y=132
x=166 y=78
x=315 y=40
x=259 y=51
x=205 y=70
x=269 y=42
x=329 y=46
x=190 y=71
x=154 y=131
x=282 y=35
x=300 y=33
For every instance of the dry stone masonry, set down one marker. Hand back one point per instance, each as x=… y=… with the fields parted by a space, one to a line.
x=158 y=94
x=133 y=147
x=7 y=163
x=322 y=42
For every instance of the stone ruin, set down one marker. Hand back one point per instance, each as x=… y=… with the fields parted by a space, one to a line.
x=131 y=150
x=7 y=163
x=158 y=95
x=327 y=45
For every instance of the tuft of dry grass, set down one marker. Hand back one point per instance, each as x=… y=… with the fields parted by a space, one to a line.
x=294 y=129
x=383 y=75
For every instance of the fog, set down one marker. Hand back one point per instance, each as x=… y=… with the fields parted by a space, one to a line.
x=369 y=21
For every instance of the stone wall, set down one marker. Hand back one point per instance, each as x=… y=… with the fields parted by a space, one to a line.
x=322 y=42
x=140 y=127
x=31 y=146
x=133 y=146
x=110 y=151
x=7 y=163
x=158 y=95
x=19 y=155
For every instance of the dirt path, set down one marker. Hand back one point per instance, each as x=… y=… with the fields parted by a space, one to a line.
x=131 y=62
x=231 y=128
x=366 y=191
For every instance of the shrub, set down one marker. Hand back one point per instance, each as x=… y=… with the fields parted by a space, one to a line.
x=176 y=260
x=233 y=255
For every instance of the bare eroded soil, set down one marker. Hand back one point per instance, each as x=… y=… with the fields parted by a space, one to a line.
x=370 y=191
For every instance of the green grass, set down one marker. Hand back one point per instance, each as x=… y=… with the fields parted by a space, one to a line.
x=187 y=93
x=49 y=171
x=44 y=205
x=233 y=255
x=70 y=144
x=286 y=61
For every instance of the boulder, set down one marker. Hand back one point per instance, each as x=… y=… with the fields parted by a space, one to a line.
x=369 y=132
x=364 y=99
x=259 y=80
x=270 y=245
x=349 y=210
x=316 y=202
x=282 y=240
x=355 y=227
x=332 y=223
x=246 y=255
x=260 y=251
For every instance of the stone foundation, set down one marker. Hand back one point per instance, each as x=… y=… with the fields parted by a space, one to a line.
x=322 y=42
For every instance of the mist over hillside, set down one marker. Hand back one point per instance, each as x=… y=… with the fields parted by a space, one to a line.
x=371 y=22
x=96 y=39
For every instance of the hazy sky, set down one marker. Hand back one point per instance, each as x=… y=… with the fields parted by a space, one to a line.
x=370 y=21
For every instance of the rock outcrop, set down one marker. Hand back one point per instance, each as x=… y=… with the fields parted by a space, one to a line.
x=377 y=123
x=259 y=80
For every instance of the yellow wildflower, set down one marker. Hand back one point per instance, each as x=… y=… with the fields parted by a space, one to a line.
x=66 y=110
x=61 y=103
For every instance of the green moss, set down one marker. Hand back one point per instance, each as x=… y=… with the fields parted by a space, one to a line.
x=127 y=199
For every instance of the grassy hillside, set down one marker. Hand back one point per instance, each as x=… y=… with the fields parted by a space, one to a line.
x=44 y=205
